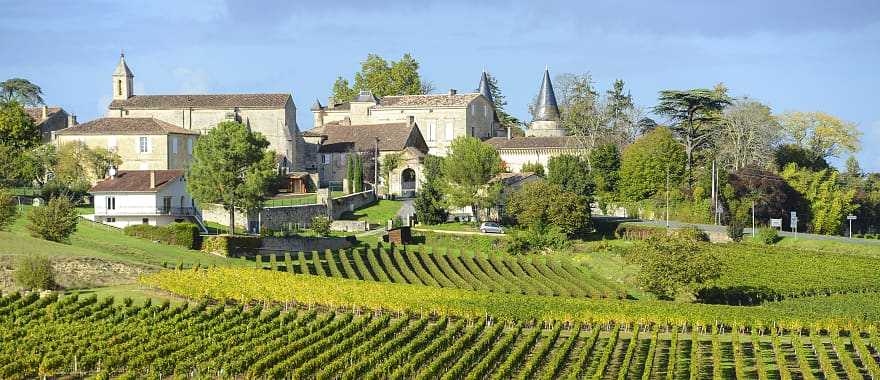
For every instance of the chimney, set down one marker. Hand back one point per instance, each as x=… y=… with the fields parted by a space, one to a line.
x=346 y=121
x=411 y=121
x=45 y=110
x=71 y=120
x=452 y=92
x=508 y=133
x=152 y=179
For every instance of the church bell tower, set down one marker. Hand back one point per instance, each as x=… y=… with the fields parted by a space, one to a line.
x=123 y=80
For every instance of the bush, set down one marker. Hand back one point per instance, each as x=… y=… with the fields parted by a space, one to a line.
x=692 y=233
x=534 y=240
x=321 y=225
x=669 y=265
x=540 y=204
x=182 y=234
x=55 y=221
x=34 y=272
x=231 y=246
x=767 y=235
x=55 y=188
x=735 y=230
x=630 y=231
x=8 y=211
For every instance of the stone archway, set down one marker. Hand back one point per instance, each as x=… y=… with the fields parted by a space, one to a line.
x=408 y=182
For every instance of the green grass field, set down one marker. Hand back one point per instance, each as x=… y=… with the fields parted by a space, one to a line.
x=378 y=213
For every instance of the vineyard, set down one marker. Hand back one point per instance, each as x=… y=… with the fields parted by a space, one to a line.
x=86 y=336
x=530 y=276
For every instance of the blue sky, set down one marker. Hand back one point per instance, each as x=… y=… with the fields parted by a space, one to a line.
x=792 y=55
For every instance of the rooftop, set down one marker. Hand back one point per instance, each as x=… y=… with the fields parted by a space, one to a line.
x=136 y=181
x=392 y=137
x=532 y=142
x=204 y=101
x=125 y=126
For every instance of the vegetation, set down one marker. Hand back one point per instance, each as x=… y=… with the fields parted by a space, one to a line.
x=55 y=221
x=321 y=225
x=540 y=205
x=377 y=213
x=21 y=91
x=467 y=170
x=571 y=174
x=182 y=234
x=648 y=163
x=355 y=173
x=8 y=209
x=390 y=163
x=17 y=129
x=383 y=78
x=830 y=202
x=669 y=265
x=767 y=235
x=34 y=272
x=429 y=201
x=231 y=166
x=532 y=167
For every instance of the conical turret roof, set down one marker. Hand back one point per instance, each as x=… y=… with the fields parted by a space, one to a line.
x=546 y=108
x=317 y=106
x=122 y=68
x=484 y=87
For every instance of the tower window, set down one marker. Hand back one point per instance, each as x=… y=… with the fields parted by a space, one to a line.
x=119 y=87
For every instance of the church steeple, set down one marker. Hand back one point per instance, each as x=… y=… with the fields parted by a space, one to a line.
x=484 y=87
x=546 y=109
x=123 y=80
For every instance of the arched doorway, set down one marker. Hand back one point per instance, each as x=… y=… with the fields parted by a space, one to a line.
x=408 y=182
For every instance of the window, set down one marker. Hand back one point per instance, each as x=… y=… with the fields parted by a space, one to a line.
x=119 y=87
x=432 y=130
x=111 y=203
x=145 y=221
x=174 y=145
x=449 y=131
x=486 y=111
x=189 y=145
x=326 y=158
x=109 y=220
x=143 y=144
x=166 y=204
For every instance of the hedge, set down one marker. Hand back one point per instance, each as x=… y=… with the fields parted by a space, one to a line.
x=182 y=234
x=231 y=246
x=630 y=231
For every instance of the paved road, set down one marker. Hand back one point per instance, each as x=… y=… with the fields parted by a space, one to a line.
x=406 y=209
x=723 y=229
x=457 y=232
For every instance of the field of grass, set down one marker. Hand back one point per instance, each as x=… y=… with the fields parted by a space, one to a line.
x=90 y=337
x=867 y=248
x=451 y=226
x=378 y=213
x=477 y=243
x=442 y=269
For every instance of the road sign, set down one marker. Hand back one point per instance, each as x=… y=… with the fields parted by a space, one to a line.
x=776 y=223
x=851 y=217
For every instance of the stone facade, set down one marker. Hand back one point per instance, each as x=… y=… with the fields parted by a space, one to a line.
x=49 y=120
x=161 y=153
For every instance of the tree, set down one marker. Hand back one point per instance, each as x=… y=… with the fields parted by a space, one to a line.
x=540 y=205
x=231 y=166
x=355 y=172
x=500 y=103
x=822 y=134
x=8 y=210
x=21 y=91
x=747 y=135
x=533 y=167
x=467 y=170
x=429 y=202
x=853 y=169
x=34 y=272
x=694 y=116
x=101 y=159
x=669 y=265
x=37 y=163
x=390 y=163
x=606 y=167
x=571 y=174
x=773 y=196
x=829 y=201
x=55 y=221
x=383 y=79
x=793 y=154
x=646 y=164
x=17 y=129
x=582 y=113
x=623 y=115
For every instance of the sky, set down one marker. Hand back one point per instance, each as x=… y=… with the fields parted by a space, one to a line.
x=792 y=55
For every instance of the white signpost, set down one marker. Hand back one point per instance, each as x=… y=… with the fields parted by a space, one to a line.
x=850 y=218
x=776 y=223
x=794 y=221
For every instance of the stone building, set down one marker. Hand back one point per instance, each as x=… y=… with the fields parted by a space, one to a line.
x=440 y=117
x=333 y=143
x=50 y=119
x=273 y=115
x=142 y=143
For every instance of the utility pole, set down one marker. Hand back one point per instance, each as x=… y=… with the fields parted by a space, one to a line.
x=753 y=218
x=667 y=196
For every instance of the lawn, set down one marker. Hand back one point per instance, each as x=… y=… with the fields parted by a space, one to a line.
x=378 y=213
x=451 y=226
x=866 y=247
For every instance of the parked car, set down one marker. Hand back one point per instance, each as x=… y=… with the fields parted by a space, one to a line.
x=491 y=228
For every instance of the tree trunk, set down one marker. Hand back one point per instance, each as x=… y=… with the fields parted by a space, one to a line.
x=476 y=211
x=232 y=221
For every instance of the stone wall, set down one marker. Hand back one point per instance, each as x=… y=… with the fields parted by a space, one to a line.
x=282 y=218
x=349 y=225
x=352 y=202
x=304 y=244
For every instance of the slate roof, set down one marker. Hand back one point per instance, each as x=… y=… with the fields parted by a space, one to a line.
x=203 y=101
x=36 y=113
x=433 y=100
x=125 y=126
x=532 y=142
x=546 y=109
x=136 y=181
x=392 y=137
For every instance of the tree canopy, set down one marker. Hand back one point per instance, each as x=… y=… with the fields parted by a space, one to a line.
x=748 y=135
x=571 y=174
x=539 y=205
x=645 y=163
x=669 y=265
x=429 y=201
x=21 y=91
x=467 y=170
x=383 y=78
x=17 y=129
x=231 y=166
x=500 y=102
x=822 y=134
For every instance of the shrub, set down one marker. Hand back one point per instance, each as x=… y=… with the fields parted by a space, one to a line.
x=541 y=204
x=321 y=225
x=534 y=240
x=767 y=235
x=231 y=246
x=735 y=230
x=669 y=264
x=630 y=231
x=8 y=211
x=34 y=272
x=692 y=233
x=55 y=221
x=182 y=234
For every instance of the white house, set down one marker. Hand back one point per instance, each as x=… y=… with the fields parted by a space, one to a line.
x=154 y=197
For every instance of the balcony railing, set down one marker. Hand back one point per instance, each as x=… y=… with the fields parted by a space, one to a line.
x=178 y=211
x=172 y=211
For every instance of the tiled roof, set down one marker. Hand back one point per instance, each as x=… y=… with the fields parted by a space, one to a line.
x=125 y=126
x=433 y=100
x=203 y=101
x=136 y=181
x=532 y=142
x=392 y=137
x=36 y=113
x=314 y=132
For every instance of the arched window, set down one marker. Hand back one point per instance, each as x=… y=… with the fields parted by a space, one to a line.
x=119 y=87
